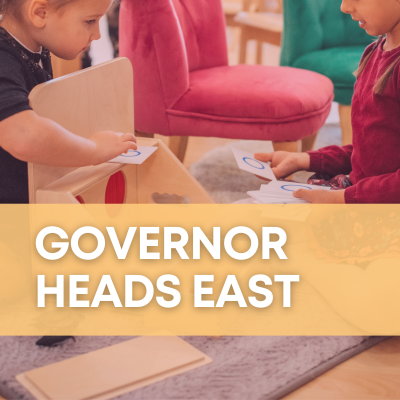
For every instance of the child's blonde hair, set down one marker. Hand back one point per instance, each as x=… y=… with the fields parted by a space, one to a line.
x=382 y=82
x=13 y=7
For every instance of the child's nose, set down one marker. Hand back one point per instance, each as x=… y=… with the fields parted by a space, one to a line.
x=97 y=34
x=346 y=7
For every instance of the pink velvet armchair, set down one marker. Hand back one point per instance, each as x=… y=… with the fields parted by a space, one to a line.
x=184 y=87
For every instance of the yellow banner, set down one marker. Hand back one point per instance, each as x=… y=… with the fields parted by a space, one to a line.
x=200 y=269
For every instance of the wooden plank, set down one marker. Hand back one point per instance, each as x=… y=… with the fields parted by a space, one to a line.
x=109 y=372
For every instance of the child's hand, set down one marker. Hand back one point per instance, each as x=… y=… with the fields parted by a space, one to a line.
x=321 y=196
x=284 y=163
x=110 y=144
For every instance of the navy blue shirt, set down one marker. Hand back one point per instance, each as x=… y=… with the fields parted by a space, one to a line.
x=20 y=72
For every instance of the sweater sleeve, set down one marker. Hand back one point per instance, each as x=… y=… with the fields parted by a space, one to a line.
x=382 y=189
x=13 y=91
x=332 y=160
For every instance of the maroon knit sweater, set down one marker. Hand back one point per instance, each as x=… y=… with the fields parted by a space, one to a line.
x=373 y=160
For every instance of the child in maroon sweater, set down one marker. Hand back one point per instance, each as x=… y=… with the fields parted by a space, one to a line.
x=372 y=161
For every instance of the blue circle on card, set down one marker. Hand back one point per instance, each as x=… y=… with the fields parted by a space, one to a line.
x=290 y=190
x=254 y=166
x=132 y=153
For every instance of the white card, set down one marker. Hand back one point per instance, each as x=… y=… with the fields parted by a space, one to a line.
x=272 y=195
x=138 y=156
x=247 y=162
x=287 y=188
x=265 y=199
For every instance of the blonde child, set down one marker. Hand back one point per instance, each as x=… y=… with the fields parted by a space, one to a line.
x=29 y=31
x=373 y=160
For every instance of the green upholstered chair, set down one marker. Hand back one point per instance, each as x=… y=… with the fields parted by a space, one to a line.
x=318 y=37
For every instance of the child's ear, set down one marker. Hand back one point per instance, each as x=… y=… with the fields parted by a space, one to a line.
x=38 y=11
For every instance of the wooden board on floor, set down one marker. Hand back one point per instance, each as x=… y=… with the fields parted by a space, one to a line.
x=109 y=372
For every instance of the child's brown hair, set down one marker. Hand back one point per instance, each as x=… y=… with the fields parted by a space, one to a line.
x=382 y=82
x=13 y=7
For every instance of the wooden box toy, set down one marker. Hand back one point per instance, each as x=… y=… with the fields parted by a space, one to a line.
x=97 y=99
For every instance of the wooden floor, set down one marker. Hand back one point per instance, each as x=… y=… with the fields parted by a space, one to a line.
x=371 y=375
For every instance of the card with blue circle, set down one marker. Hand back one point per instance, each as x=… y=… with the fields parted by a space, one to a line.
x=285 y=188
x=247 y=162
x=281 y=192
x=138 y=156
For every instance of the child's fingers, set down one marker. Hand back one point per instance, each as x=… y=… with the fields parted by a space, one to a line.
x=128 y=137
x=129 y=146
x=265 y=157
x=279 y=172
x=304 y=194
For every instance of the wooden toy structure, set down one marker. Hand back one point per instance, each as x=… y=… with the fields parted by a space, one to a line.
x=97 y=99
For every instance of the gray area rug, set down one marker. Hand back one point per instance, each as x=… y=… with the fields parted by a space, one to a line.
x=219 y=174
x=254 y=368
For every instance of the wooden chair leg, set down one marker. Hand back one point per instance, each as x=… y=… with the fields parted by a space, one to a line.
x=237 y=34
x=234 y=36
x=178 y=145
x=259 y=52
x=345 y=124
x=145 y=135
x=307 y=144
x=243 y=46
x=293 y=147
